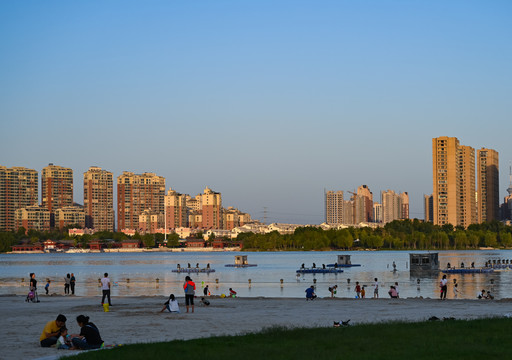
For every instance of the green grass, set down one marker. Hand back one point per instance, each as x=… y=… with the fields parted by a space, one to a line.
x=474 y=339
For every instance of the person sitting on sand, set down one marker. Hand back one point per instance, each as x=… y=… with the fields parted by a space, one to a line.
x=64 y=341
x=310 y=293
x=51 y=331
x=89 y=337
x=392 y=292
x=481 y=295
x=171 y=304
x=489 y=295
x=205 y=302
x=232 y=292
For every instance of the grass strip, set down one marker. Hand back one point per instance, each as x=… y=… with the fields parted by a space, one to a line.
x=455 y=339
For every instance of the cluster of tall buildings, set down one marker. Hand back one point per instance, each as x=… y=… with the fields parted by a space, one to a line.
x=361 y=208
x=142 y=204
x=465 y=185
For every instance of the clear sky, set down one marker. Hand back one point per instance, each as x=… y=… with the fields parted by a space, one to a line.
x=267 y=102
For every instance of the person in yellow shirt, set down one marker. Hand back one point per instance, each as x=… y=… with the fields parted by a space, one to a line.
x=51 y=331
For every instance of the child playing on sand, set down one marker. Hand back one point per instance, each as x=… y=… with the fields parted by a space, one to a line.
x=363 y=292
x=205 y=302
x=358 y=290
x=171 y=304
x=47 y=286
x=64 y=340
x=232 y=292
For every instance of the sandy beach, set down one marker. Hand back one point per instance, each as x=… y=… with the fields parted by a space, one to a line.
x=137 y=319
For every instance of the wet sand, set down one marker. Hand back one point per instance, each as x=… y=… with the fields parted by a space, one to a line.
x=137 y=319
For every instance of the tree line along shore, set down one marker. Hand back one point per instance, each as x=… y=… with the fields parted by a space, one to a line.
x=397 y=235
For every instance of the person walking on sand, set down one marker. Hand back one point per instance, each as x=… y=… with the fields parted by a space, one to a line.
x=67 y=283
x=47 y=286
x=376 y=289
x=397 y=292
x=189 y=287
x=105 y=288
x=72 y=283
x=444 y=287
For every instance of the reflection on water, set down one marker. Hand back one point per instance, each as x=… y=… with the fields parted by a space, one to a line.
x=151 y=273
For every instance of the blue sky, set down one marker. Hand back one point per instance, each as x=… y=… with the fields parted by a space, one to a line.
x=267 y=102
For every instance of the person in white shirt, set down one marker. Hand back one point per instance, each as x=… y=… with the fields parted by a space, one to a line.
x=376 y=289
x=105 y=287
x=444 y=287
x=171 y=304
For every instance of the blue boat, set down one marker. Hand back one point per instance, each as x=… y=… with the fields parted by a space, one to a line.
x=468 y=271
x=319 y=271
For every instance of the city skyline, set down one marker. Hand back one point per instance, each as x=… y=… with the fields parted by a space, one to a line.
x=268 y=103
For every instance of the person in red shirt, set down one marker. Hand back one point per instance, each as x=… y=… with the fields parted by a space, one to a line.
x=189 y=287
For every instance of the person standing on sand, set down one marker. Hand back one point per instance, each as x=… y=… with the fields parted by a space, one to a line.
x=105 y=287
x=444 y=287
x=206 y=291
x=358 y=290
x=72 y=283
x=189 y=287
x=67 y=283
x=376 y=289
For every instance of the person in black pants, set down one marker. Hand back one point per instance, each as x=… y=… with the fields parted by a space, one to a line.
x=73 y=280
x=105 y=287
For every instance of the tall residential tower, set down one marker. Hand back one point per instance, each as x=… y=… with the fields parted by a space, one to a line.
x=99 y=199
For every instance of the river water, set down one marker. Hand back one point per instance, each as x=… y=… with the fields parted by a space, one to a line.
x=137 y=273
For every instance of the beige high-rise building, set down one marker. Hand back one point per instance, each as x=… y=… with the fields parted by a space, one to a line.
x=211 y=209
x=33 y=218
x=453 y=182
x=99 y=199
x=394 y=206
x=150 y=221
x=19 y=188
x=363 y=205
x=377 y=212
x=69 y=215
x=348 y=212
x=136 y=193
x=488 y=185
x=56 y=189
x=468 y=189
x=334 y=207
x=176 y=209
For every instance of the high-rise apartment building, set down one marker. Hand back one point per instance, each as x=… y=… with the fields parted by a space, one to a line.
x=488 y=185
x=99 y=199
x=19 y=188
x=176 y=210
x=394 y=206
x=363 y=205
x=211 y=205
x=33 y=217
x=453 y=182
x=334 y=207
x=377 y=212
x=136 y=193
x=69 y=215
x=56 y=189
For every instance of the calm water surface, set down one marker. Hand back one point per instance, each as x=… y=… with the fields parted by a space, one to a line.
x=143 y=270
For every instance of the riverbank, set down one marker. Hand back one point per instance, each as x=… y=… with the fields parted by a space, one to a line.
x=137 y=319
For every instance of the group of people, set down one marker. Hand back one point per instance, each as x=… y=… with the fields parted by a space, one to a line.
x=56 y=333
x=69 y=285
x=359 y=290
x=189 y=287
